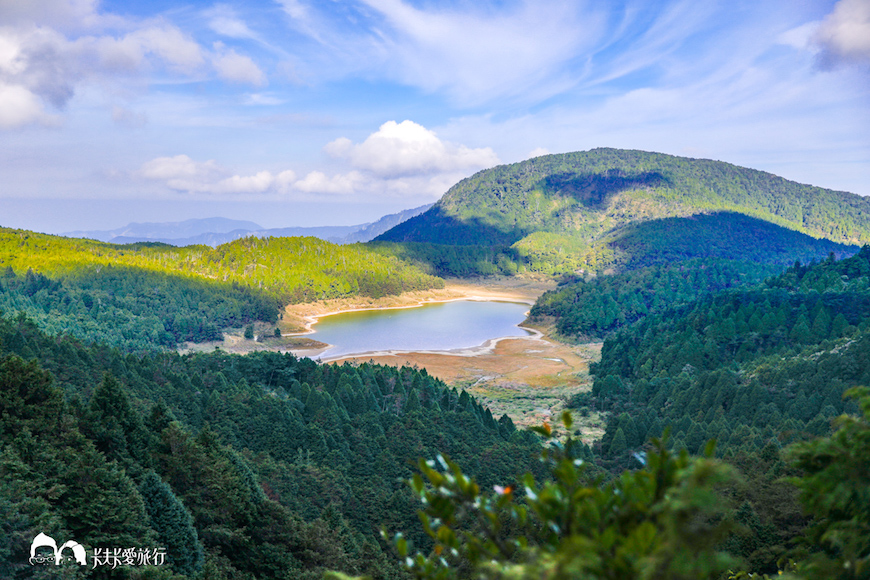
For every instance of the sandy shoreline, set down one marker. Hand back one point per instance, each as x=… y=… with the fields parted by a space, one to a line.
x=529 y=377
x=304 y=316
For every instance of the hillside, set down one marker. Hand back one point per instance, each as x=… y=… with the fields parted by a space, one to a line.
x=143 y=296
x=579 y=200
x=252 y=467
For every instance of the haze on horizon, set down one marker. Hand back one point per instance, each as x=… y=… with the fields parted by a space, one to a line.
x=294 y=112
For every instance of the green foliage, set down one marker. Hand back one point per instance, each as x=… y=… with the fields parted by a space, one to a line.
x=743 y=366
x=286 y=467
x=132 y=308
x=287 y=269
x=173 y=524
x=145 y=296
x=835 y=490
x=662 y=521
x=596 y=307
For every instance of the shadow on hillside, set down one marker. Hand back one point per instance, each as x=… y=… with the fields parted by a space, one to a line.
x=436 y=227
x=724 y=235
x=594 y=190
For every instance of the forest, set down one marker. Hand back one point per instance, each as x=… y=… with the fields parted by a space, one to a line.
x=257 y=466
x=145 y=296
x=270 y=466
x=300 y=269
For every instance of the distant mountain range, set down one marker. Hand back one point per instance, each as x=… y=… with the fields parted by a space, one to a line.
x=216 y=231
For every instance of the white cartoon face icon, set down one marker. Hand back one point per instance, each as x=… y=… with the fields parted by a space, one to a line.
x=43 y=556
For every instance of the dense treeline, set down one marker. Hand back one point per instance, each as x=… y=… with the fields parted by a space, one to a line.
x=662 y=263
x=674 y=517
x=289 y=269
x=132 y=308
x=258 y=466
x=755 y=369
x=147 y=295
x=743 y=365
x=591 y=309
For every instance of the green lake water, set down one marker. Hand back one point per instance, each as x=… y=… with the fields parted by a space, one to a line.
x=441 y=326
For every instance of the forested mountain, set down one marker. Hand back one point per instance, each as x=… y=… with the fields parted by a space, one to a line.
x=670 y=261
x=245 y=467
x=141 y=295
x=588 y=193
x=718 y=236
x=559 y=213
x=290 y=269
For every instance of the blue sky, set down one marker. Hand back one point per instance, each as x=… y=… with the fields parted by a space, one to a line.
x=295 y=112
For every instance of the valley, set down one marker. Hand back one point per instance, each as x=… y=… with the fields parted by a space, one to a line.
x=673 y=302
x=529 y=379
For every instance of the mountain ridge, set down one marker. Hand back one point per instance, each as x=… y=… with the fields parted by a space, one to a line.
x=587 y=194
x=216 y=231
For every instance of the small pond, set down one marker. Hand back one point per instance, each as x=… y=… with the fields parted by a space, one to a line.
x=440 y=326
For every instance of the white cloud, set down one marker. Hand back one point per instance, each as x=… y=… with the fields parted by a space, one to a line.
x=406 y=149
x=64 y=14
x=537 y=152
x=50 y=48
x=180 y=166
x=294 y=9
x=477 y=55
x=18 y=107
x=261 y=99
x=474 y=53
x=318 y=182
x=39 y=66
x=844 y=34
x=181 y=173
x=236 y=68
x=223 y=20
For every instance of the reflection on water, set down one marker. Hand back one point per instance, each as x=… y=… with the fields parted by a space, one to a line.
x=443 y=326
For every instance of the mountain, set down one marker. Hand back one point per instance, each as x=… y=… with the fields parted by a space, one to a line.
x=371 y=231
x=216 y=231
x=585 y=195
x=159 y=232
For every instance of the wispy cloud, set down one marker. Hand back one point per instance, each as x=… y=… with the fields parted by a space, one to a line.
x=470 y=55
x=236 y=68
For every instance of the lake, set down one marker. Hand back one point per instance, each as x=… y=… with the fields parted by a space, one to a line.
x=440 y=326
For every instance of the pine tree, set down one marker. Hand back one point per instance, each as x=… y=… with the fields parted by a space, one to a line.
x=173 y=524
x=618 y=446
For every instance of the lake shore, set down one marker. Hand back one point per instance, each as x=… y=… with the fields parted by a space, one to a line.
x=298 y=318
x=303 y=317
x=528 y=378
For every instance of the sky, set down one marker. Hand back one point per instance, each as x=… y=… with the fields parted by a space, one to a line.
x=333 y=112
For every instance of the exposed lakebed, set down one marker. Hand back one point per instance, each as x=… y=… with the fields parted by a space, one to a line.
x=443 y=326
